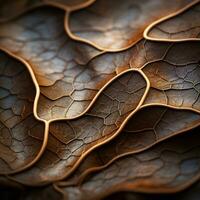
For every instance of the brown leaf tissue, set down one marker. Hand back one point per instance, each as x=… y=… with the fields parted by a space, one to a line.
x=100 y=99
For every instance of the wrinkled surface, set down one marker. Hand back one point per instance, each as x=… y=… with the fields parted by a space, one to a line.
x=99 y=99
x=146 y=128
x=17 y=122
x=175 y=80
x=58 y=63
x=70 y=140
x=182 y=25
x=113 y=25
x=69 y=84
x=161 y=168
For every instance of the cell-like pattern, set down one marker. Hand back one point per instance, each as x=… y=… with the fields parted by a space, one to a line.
x=99 y=98
x=168 y=167
x=113 y=26
x=183 y=25
x=68 y=85
x=57 y=61
x=69 y=81
x=175 y=80
x=70 y=141
x=17 y=121
x=149 y=126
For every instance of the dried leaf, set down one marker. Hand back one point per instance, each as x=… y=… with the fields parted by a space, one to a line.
x=69 y=85
x=175 y=78
x=180 y=26
x=99 y=122
x=147 y=127
x=166 y=168
x=71 y=140
x=113 y=25
x=57 y=61
x=17 y=121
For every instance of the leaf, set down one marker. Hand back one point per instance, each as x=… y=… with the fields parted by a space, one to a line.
x=10 y=9
x=180 y=26
x=103 y=119
x=70 y=82
x=68 y=86
x=71 y=140
x=18 y=147
x=168 y=167
x=113 y=26
x=57 y=61
x=175 y=78
x=147 y=127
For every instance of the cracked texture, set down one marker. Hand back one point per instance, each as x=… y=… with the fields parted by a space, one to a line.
x=57 y=61
x=166 y=167
x=69 y=84
x=175 y=80
x=111 y=25
x=91 y=105
x=70 y=140
x=69 y=79
x=183 y=25
x=149 y=126
x=17 y=122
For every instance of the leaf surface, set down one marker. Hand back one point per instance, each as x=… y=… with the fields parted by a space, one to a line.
x=183 y=25
x=71 y=140
x=18 y=125
x=113 y=26
x=166 y=168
